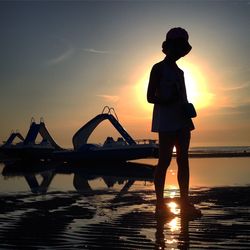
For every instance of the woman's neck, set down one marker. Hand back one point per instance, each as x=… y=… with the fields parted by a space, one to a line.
x=170 y=61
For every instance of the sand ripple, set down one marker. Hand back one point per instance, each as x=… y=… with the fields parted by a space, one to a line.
x=69 y=220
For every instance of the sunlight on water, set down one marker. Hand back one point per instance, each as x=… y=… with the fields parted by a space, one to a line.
x=174 y=225
x=172 y=194
x=174 y=208
x=171 y=241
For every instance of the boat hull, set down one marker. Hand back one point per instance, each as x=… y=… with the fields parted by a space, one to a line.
x=101 y=154
x=26 y=153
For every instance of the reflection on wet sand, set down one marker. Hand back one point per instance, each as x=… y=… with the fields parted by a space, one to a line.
x=81 y=178
x=117 y=216
x=35 y=187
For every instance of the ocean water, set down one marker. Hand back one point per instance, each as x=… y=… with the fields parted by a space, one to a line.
x=210 y=172
x=204 y=172
x=70 y=209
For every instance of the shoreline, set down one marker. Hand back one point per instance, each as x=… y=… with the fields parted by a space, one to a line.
x=199 y=154
x=218 y=154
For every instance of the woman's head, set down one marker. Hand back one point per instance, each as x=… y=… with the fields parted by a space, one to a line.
x=176 y=44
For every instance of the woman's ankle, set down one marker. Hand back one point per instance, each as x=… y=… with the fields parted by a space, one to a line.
x=185 y=201
x=160 y=204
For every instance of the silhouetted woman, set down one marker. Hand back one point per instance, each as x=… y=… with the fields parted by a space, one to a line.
x=167 y=91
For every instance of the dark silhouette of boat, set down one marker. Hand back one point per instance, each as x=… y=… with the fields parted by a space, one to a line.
x=125 y=173
x=123 y=149
x=27 y=148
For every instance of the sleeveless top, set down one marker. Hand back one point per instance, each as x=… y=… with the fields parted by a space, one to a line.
x=169 y=117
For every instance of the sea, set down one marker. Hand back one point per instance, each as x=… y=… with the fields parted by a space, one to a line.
x=54 y=208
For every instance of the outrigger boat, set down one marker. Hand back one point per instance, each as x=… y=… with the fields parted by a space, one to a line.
x=124 y=149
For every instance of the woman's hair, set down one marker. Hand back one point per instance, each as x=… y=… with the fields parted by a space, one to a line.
x=176 y=38
x=165 y=47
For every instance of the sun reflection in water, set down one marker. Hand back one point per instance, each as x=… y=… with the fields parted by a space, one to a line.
x=172 y=190
x=172 y=194
x=174 y=224
x=173 y=208
x=171 y=241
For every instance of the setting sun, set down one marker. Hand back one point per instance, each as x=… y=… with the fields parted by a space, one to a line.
x=141 y=92
x=196 y=84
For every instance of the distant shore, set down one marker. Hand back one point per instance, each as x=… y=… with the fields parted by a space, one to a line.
x=219 y=154
x=222 y=154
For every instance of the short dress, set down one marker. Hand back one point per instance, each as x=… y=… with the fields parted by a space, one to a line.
x=170 y=117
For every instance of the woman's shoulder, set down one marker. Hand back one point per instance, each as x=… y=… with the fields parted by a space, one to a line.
x=180 y=70
x=159 y=64
x=158 y=67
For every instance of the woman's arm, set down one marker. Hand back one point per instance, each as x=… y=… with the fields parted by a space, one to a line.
x=154 y=80
x=153 y=87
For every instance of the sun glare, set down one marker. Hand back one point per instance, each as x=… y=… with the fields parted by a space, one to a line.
x=196 y=85
x=141 y=92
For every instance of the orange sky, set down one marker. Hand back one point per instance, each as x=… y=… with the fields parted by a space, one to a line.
x=85 y=55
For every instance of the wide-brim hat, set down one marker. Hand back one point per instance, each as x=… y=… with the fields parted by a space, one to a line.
x=177 y=38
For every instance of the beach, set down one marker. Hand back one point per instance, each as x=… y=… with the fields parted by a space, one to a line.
x=58 y=209
x=93 y=93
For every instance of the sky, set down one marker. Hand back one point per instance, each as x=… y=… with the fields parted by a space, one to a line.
x=65 y=60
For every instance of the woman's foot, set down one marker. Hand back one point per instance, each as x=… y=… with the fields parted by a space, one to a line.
x=189 y=210
x=162 y=211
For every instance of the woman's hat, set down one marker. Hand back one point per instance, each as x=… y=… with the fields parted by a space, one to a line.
x=177 y=38
x=176 y=33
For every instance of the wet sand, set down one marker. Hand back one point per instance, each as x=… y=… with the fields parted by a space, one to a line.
x=123 y=220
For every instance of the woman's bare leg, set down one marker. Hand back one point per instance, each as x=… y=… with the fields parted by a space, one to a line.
x=182 y=146
x=166 y=144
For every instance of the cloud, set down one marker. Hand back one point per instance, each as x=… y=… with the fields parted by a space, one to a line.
x=89 y=50
x=61 y=58
x=239 y=87
x=110 y=98
x=236 y=112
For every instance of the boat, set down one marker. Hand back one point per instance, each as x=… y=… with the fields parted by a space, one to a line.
x=123 y=149
x=27 y=148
